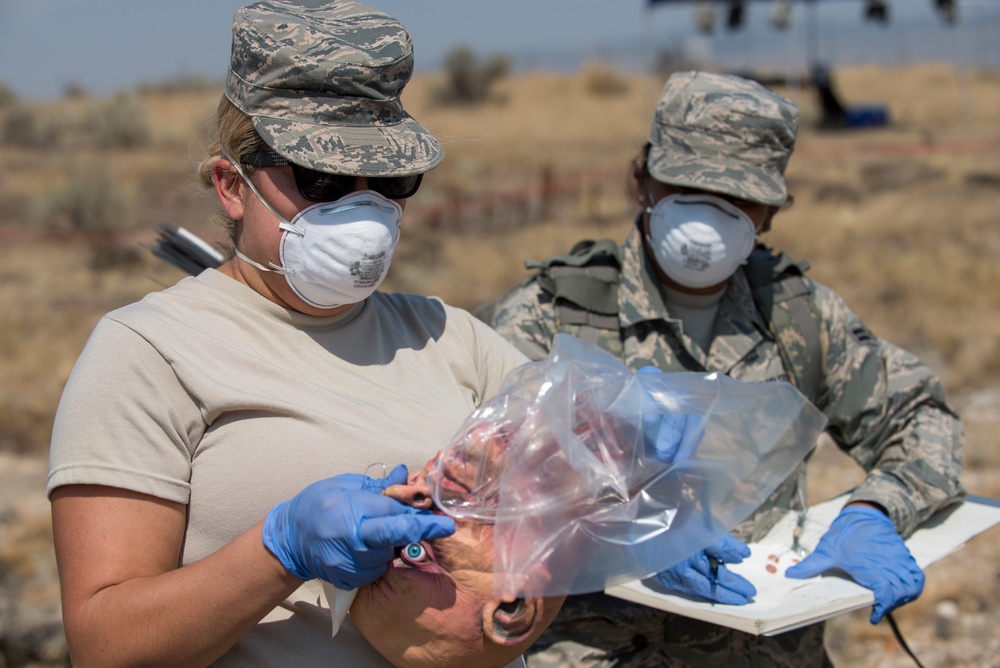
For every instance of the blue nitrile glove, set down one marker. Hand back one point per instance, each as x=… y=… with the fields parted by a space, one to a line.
x=665 y=433
x=863 y=543
x=693 y=576
x=338 y=531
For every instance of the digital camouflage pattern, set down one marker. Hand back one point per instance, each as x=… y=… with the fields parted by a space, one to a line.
x=723 y=134
x=601 y=631
x=885 y=408
x=322 y=82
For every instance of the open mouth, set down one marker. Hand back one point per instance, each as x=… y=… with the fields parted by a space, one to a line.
x=454 y=477
x=465 y=476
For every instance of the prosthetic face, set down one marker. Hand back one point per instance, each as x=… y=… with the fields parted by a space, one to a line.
x=435 y=605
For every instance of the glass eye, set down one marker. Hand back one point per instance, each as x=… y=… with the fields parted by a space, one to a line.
x=416 y=553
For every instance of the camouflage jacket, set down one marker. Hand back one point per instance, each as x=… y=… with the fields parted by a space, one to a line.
x=886 y=409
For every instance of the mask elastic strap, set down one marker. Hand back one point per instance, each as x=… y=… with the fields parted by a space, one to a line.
x=384 y=208
x=649 y=197
x=284 y=224
x=275 y=268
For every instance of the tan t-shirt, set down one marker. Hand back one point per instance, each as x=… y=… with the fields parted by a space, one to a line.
x=211 y=395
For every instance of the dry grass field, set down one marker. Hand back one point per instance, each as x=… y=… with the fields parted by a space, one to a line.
x=900 y=220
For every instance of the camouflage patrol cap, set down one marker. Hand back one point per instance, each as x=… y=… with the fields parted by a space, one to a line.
x=322 y=82
x=723 y=134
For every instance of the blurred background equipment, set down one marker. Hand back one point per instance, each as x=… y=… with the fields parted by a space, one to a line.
x=704 y=16
x=877 y=11
x=185 y=250
x=814 y=71
x=834 y=114
x=781 y=14
x=948 y=10
x=735 y=15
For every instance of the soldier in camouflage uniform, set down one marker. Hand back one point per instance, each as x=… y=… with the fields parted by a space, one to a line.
x=760 y=320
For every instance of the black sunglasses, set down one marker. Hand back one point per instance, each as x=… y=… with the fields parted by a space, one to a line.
x=325 y=187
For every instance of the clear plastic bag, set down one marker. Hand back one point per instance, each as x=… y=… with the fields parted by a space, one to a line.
x=563 y=463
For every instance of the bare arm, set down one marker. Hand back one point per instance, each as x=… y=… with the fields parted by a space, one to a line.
x=125 y=599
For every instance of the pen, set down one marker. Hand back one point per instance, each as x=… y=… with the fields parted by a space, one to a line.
x=797 y=548
x=713 y=567
x=800 y=523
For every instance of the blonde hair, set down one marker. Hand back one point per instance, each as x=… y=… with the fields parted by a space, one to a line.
x=230 y=134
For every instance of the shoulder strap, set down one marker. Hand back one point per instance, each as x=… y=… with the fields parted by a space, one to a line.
x=584 y=287
x=784 y=298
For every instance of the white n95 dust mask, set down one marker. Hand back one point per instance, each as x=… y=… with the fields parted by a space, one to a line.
x=336 y=253
x=699 y=240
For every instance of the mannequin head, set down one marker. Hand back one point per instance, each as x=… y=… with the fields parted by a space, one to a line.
x=435 y=605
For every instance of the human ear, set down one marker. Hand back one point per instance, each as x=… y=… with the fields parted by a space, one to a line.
x=228 y=186
x=639 y=186
x=511 y=622
x=765 y=225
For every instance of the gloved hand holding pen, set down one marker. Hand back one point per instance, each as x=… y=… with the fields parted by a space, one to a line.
x=339 y=531
x=705 y=575
x=863 y=542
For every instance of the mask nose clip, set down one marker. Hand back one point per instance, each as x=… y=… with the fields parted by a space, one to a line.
x=339 y=208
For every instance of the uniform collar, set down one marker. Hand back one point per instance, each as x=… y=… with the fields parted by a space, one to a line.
x=640 y=297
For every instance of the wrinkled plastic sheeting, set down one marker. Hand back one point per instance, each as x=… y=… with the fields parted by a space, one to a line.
x=559 y=462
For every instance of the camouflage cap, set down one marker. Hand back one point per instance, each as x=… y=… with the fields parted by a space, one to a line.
x=322 y=82
x=723 y=134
